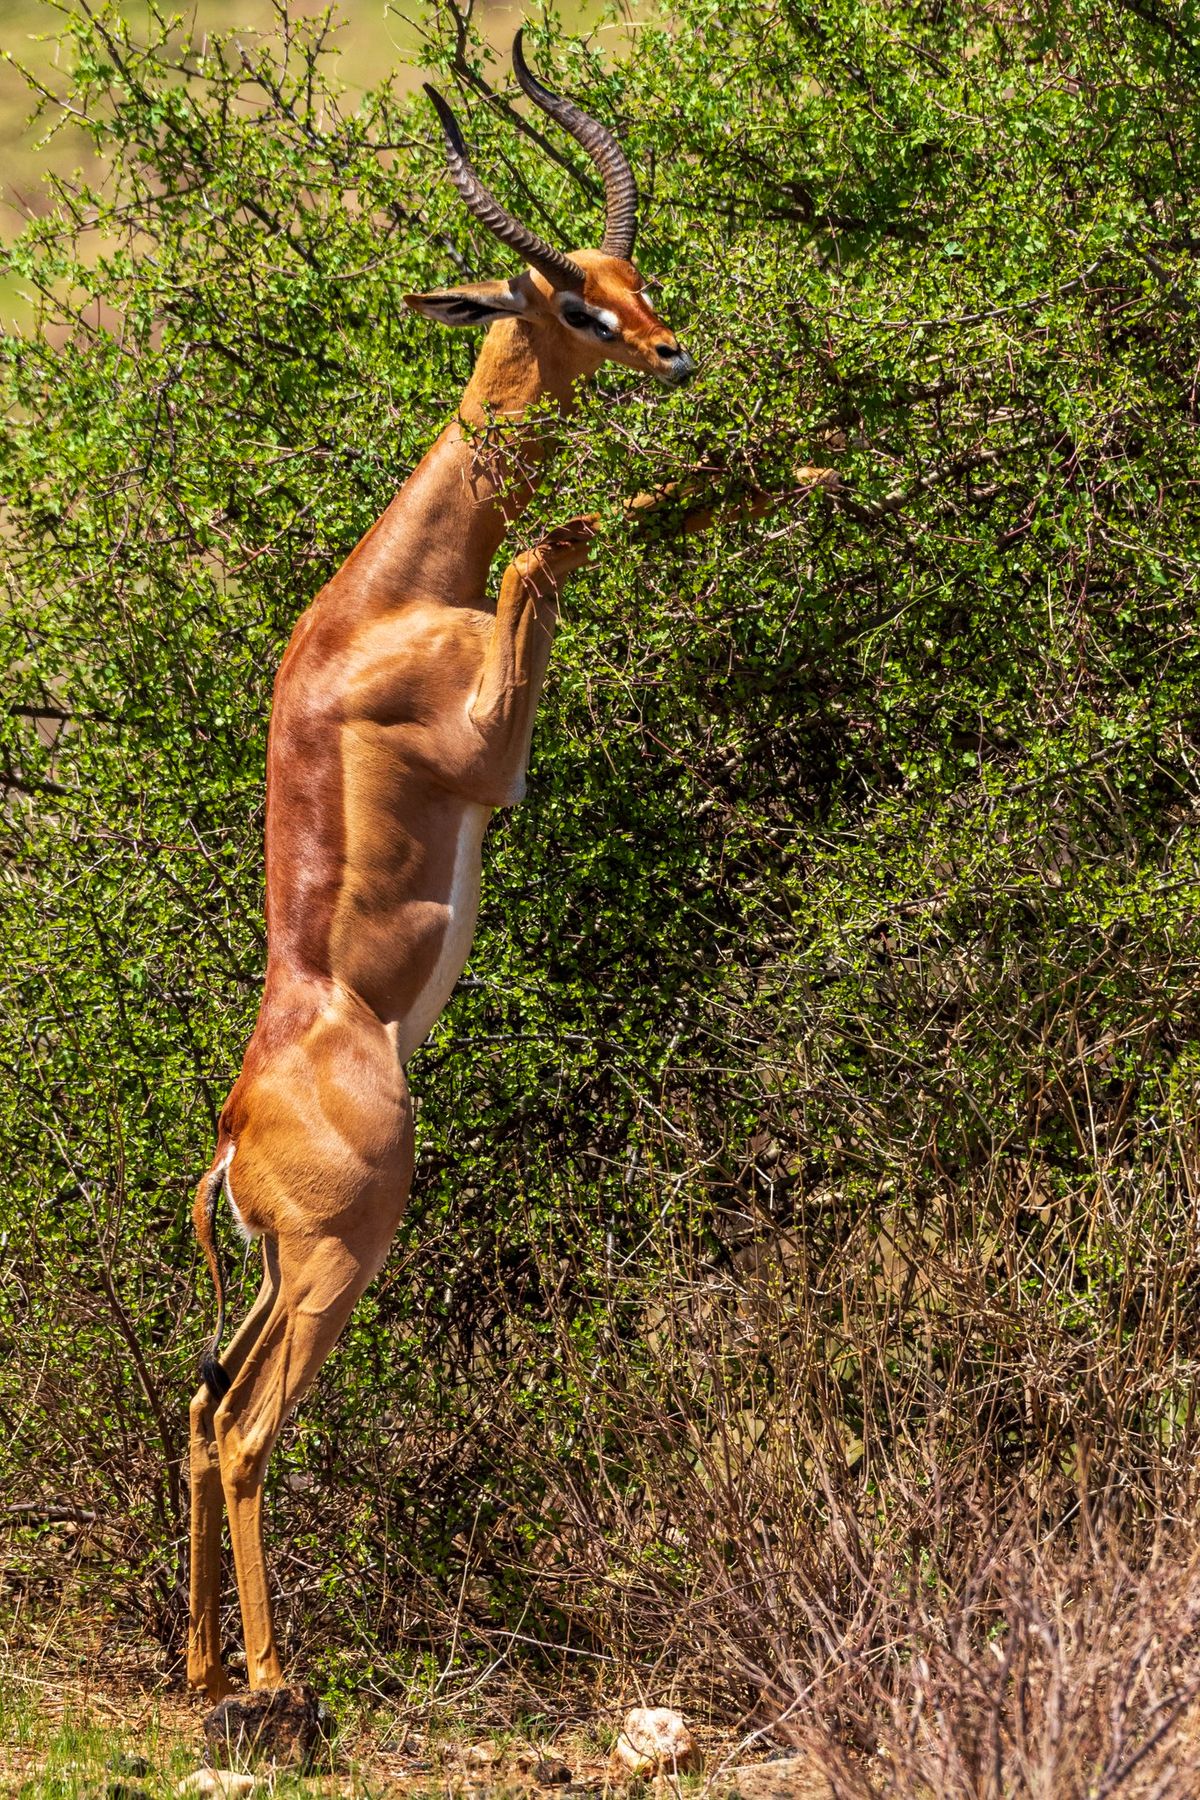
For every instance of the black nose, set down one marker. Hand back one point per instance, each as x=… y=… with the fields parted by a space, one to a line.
x=680 y=367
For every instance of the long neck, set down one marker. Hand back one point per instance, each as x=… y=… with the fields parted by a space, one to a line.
x=437 y=539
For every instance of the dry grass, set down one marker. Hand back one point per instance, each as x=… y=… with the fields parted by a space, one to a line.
x=68 y=1737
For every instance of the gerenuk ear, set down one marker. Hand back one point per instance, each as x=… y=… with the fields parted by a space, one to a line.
x=476 y=304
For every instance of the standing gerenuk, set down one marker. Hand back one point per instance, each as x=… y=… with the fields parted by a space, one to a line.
x=403 y=713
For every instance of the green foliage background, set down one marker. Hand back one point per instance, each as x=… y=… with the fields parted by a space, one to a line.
x=847 y=941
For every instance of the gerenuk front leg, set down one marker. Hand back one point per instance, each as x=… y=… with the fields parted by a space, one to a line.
x=518 y=654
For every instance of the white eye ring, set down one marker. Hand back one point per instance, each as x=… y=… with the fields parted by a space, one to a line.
x=601 y=323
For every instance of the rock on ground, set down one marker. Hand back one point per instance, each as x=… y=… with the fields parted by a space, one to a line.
x=279 y=1725
x=654 y=1738
x=549 y=1772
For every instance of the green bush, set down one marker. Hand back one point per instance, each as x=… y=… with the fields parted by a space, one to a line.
x=826 y=1062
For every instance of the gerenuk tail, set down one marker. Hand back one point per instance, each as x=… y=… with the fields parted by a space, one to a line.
x=204 y=1217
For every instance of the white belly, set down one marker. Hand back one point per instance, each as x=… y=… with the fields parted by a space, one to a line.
x=462 y=909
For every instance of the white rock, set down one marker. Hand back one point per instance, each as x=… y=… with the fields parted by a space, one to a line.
x=218 y=1784
x=654 y=1738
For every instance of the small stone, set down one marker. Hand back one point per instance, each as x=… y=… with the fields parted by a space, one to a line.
x=277 y=1725
x=217 y=1784
x=550 y=1772
x=654 y=1738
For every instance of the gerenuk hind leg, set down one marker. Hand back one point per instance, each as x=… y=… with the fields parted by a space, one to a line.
x=204 y=1666
x=320 y=1281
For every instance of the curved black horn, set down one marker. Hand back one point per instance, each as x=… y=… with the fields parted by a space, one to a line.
x=556 y=267
x=620 y=189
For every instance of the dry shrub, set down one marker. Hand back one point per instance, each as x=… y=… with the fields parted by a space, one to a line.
x=880 y=1506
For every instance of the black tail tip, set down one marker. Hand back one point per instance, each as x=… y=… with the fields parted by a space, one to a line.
x=213 y=1376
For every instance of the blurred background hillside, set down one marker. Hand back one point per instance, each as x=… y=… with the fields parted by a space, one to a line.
x=374 y=39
